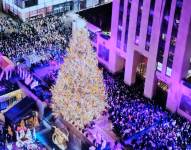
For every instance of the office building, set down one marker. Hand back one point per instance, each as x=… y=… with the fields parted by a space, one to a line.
x=152 y=39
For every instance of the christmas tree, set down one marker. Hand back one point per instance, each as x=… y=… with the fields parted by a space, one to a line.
x=79 y=95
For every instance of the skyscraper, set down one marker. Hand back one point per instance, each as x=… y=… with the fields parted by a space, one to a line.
x=152 y=39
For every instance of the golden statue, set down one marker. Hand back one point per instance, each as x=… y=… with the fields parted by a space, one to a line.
x=60 y=138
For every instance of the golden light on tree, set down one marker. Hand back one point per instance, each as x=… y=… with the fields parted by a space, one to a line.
x=79 y=95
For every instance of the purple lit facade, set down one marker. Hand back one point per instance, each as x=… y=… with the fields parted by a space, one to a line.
x=156 y=34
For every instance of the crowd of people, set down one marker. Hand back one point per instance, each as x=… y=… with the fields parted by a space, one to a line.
x=132 y=115
x=128 y=111
x=35 y=40
x=139 y=123
x=34 y=44
x=174 y=134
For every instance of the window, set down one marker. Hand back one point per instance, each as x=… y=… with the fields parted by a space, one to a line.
x=138 y=25
x=149 y=28
x=127 y=25
x=159 y=66
x=188 y=75
x=120 y=23
x=103 y=52
x=120 y=18
x=150 y=20
x=119 y=34
x=121 y=5
x=30 y=3
x=93 y=36
x=63 y=7
x=19 y=3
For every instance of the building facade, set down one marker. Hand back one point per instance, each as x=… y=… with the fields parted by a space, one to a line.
x=28 y=9
x=36 y=8
x=152 y=39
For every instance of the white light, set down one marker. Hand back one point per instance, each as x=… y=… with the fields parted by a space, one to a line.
x=168 y=71
x=159 y=66
x=79 y=93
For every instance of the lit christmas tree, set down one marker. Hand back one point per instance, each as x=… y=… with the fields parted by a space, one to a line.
x=79 y=94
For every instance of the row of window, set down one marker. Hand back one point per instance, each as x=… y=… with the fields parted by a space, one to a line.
x=174 y=35
x=138 y=25
x=120 y=23
x=163 y=32
x=63 y=7
x=149 y=27
x=127 y=25
x=26 y=3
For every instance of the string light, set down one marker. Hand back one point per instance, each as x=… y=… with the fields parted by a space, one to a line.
x=79 y=95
